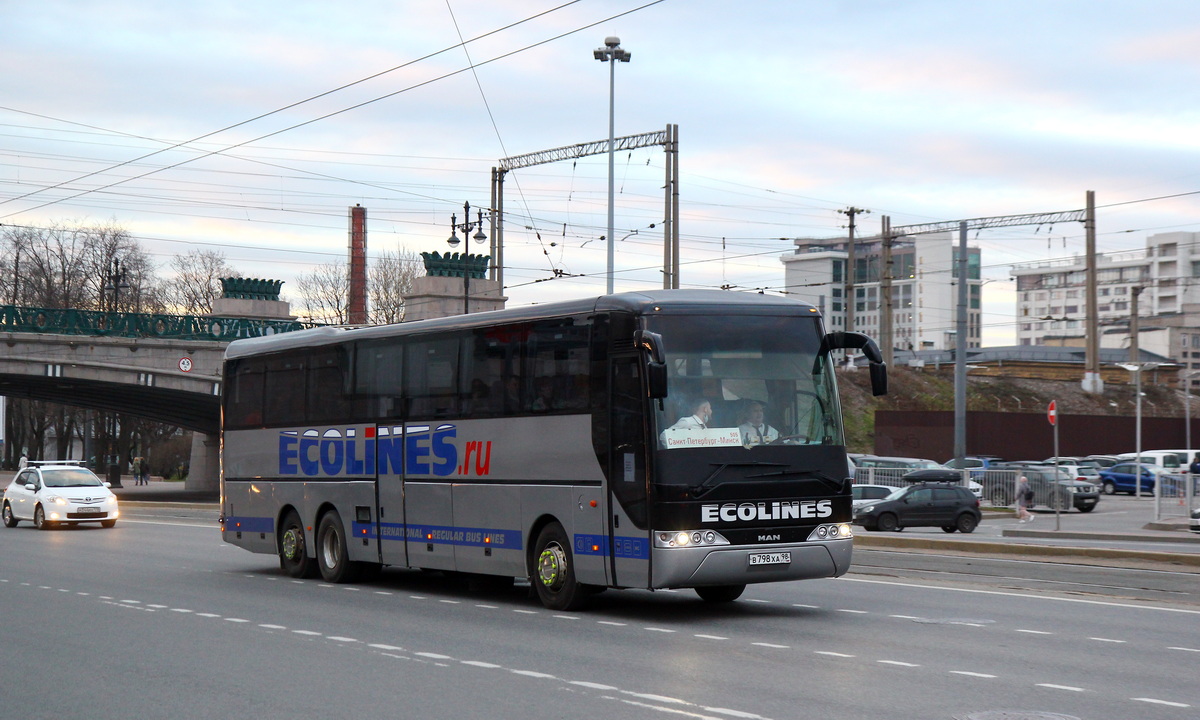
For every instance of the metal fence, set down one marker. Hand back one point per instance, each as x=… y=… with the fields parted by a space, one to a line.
x=993 y=487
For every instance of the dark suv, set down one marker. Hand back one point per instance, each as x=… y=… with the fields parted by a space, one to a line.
x=1052 y=487
x=923 y=504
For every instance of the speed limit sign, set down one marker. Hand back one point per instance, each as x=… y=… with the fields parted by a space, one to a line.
x=185 y=364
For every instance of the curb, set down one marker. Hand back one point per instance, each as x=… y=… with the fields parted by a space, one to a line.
x=993 y=548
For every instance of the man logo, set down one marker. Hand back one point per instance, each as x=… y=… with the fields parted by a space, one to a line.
x=768 y=538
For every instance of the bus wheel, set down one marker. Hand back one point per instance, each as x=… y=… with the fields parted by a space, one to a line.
x=554 y=570
x=720 y=593
x=332 y=557
x=293 y=553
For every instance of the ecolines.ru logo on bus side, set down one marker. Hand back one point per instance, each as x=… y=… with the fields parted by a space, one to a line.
x=413 y=450
x=744 y=512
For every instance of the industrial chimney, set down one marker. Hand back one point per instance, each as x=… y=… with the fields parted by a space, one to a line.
x=357 y=305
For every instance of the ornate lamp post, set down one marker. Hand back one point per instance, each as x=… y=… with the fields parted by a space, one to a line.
x=466 y=226
x=114 y=284
x=612 y=53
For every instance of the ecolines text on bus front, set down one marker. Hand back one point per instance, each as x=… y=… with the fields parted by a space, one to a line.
x=412 y=450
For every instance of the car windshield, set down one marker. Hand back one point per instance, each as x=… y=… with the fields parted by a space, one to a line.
x=70 y=477
x=897 y=493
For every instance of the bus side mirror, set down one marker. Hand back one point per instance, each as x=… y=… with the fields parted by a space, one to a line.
x=656 y=366
x=878 y=379
x=839 y=340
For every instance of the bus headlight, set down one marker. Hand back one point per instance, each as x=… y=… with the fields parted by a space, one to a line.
x=688 y=538
x=831 y=531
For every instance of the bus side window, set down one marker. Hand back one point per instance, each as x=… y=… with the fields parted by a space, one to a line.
x=328 y=385
x=245 y=384
x=377 y=373
x=284 y=391
x=431 y=377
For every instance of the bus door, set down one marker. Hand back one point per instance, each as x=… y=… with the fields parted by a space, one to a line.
x=628 y=475
x=389 y=458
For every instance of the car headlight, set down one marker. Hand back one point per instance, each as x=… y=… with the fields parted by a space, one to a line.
x=864 y=510
x=56 y=499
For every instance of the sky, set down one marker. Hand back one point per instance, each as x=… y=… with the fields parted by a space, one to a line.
x=250 y=128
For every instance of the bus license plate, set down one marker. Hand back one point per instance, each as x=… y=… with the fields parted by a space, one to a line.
x=779 y=558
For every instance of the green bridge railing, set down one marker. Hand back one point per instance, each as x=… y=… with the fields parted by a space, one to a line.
x=140 y=325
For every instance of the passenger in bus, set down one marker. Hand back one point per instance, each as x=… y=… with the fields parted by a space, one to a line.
x=478 y=402
x=754 y=428
x=700 y=417
x=545 y=400
x=512 y=395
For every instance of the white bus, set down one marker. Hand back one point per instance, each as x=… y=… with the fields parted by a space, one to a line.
x=551 y=443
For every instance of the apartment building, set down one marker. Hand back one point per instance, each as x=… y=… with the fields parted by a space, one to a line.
x=924 y=288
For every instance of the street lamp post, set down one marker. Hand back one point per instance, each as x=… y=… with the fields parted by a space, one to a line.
x=611 y=53
x=114 y=284
x=1137 y=368
x=466 y=226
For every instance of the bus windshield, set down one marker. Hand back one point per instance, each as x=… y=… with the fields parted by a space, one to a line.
x=745 y=381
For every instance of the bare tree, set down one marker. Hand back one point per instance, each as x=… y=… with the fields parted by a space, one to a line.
x=197 y=283
x=324 y=294
x=392 y=275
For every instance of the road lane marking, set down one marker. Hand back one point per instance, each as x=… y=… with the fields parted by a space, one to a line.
x=481 y=664
x=710 y=637
x=853 y=612
x=971 y=674
x=272 y=627
x=1052 y=686
x=897 y=662
x=533 y=674
x=1034 y=632
x=381 y=646
x=1108 y=640
x=610 y=622
x=309 y=633
x=340 y=638
x=1156 y=701
x=1185 y=649
x=830 y=653
x=771 y=645
x=658 y=629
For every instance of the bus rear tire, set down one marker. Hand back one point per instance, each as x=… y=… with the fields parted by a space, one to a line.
x=332 y=556
x=720 y=593
x=553 y=575
x=293 y=551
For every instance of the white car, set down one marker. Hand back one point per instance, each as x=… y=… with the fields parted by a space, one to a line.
x=58 y=493
x=865 y=494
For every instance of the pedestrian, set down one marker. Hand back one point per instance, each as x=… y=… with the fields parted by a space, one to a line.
x=136 y=467
x=145 y=471
x=1195 y=466
x=1024 y=500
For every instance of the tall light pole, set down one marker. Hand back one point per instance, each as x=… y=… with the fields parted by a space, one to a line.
x=611 y=52
x=1137 y=368
x=466 y=226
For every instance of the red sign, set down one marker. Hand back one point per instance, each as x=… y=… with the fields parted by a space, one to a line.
x=1052 y=412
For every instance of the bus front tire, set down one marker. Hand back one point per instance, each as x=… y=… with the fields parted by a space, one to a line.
x=553 y=574
x=332 y=556
x=293 y=552
x=720 y=593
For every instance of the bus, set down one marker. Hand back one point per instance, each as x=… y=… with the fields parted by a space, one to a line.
x=558 y=443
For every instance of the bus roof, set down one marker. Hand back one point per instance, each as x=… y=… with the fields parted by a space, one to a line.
x=646 y=302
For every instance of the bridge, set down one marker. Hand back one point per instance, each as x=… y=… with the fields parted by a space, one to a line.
x=165 y=368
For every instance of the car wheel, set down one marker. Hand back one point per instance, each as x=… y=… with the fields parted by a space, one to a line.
x=293 y=551
x=1001 y=497
x=10 y=520
x=948 y=528
x=887 y=522
x=108 y=523
x=967 y=523
x=553 y=570
x=1087 y=508
x=333 y=557
x=720 y=593
x=39 y=519
x=1110 y=488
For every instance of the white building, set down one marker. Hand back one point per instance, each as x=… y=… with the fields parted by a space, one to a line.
x=1052 y=301
x=924 y=291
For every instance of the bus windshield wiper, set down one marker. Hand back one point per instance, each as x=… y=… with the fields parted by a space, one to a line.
x=811 y=473
x=703 y=488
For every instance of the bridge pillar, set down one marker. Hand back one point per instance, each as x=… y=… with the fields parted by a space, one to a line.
x=204 y=468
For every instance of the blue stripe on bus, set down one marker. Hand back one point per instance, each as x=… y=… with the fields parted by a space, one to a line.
x=444 y=535
x=250 y=524
x=635 y=548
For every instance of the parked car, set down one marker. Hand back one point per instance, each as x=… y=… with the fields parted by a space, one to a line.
x=923 y=504
x=1103 y=461
x=1123 y=478
x=866 y=494
x=1087 y=473
x=1169 y=459
x=1052 y=487
x=50 y=493
x=1194 y=526
x=973 y=462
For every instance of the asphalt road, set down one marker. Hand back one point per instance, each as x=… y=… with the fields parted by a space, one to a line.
x=159 y=618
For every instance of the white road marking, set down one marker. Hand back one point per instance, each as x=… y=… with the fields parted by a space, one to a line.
x=236 y=620
x=383 y=592
x=487 y=607
x=525 y=612
x=480 y=664
x=381 y=646
x=1108 y=640
x=810 y=607
x=566 y=617
x=854 y=612
x=658 y=629
x=830 y=653
x=180 y=610
x=971 y=674
x=904 y=617
x=1162 y=702
x=433 y=656
x=307 y=632
x=272 y=627
x=208 y=615
x=610 y=622
x=897 y=662
x=1185 y=649
x=771 y=645
x=592 y=685
x=1030 y=596
x=533 y=674
x=755 y=600
x=339 y=638
x=451 y=602
x=1052 y=686
x=1034 y=632
x=710 y=637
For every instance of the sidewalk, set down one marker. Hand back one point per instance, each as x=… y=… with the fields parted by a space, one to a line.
x=163 y=491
